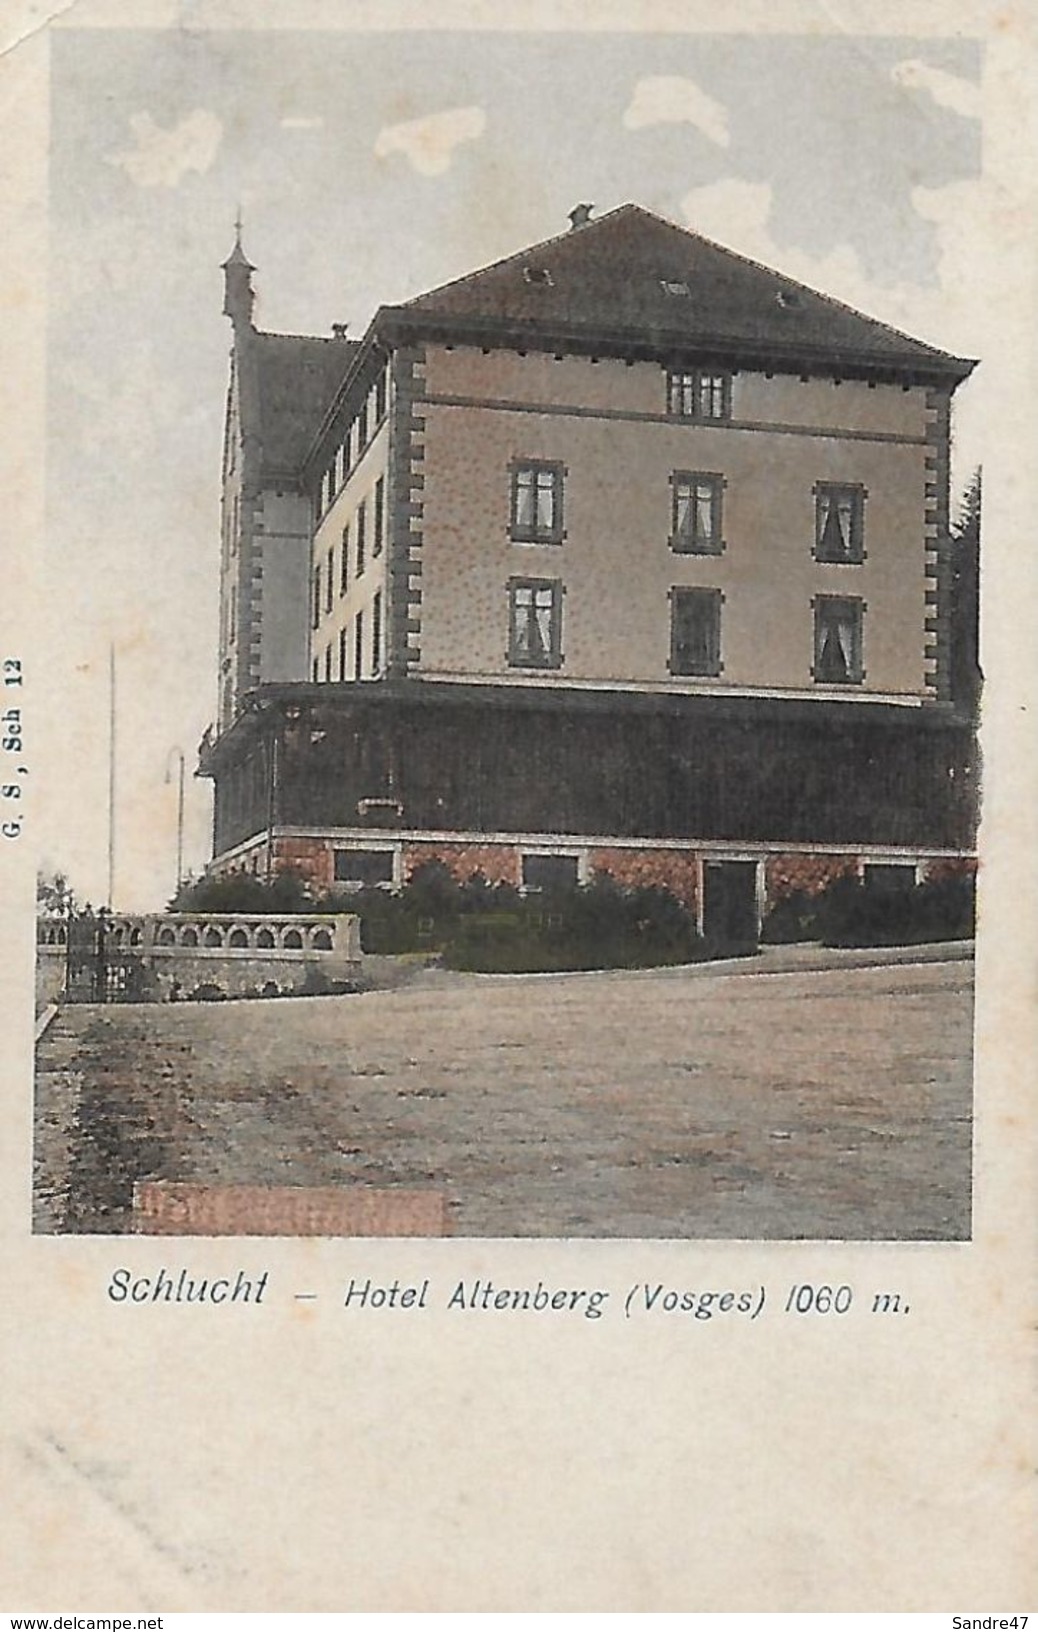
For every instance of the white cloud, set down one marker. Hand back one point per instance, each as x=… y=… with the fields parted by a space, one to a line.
x=429 y=143
x=738 y=214
x=734 y=212
x=162 y=158
x=667 y=99
x=967 y=220
x=947 y=89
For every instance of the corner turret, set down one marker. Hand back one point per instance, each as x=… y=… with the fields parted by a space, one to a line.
x=239 y=296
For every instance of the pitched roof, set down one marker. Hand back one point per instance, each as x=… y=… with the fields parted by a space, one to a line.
x=298 y=376
x=633 y=274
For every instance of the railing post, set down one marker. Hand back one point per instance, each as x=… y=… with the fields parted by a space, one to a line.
x=68 y=946
x=100 y=969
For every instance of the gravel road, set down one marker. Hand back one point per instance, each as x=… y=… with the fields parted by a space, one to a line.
x=719 y=1102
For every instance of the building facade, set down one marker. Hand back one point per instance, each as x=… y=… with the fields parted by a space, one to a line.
x=623 y=554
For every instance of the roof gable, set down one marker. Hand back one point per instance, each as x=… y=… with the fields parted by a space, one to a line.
x=633 y=273
x=298 y=377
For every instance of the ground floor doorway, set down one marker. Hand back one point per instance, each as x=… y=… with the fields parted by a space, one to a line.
x=731 y=913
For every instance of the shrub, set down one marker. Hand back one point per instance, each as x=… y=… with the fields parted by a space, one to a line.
x=853 y=912
x=793 y=918
x=388 y=923
x=856 y=912
x=432 y=891
x=425 y=915
x=207 y=992
x=599 y=926
x=242 y=892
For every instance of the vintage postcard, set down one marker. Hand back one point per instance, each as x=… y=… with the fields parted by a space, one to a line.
x=516 y=807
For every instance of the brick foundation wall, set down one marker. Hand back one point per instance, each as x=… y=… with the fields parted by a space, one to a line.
x=950 y=867
x=312 y=859
x=498 y=863
x=673 y=870
x=249 y=861
x=784 y=874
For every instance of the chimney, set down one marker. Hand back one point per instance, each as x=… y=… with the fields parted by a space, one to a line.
x=339 y=330
x=579 y=216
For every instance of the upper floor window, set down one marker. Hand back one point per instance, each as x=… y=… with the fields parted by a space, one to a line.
x=316 y=618
x=358 y=646
x=376 y=633
x=362 y=542
x=839 y=522
x=537 y=502
x=699 y=393
x=329 y=484
x=696 y=512
x=380 y=395
x=838 y=640
x=344 y=562
x=535 y=623
x=695 y=631
x=329 y=585
x=343 y=641
x=379 y=520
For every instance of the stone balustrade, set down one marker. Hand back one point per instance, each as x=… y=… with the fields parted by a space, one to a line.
x=236 y=953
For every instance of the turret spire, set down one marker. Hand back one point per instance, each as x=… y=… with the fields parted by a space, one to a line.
x=239 y=296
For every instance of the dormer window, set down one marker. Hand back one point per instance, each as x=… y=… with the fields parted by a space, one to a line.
x=699 y=393
x=788 y=298
x=671 y=286
x=537 y=275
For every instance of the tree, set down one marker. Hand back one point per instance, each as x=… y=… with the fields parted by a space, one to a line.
x=54 y=894
x=966 y=675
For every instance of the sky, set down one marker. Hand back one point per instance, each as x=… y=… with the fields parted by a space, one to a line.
x=369 y=167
